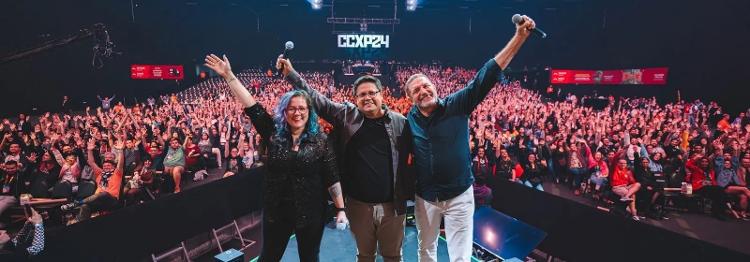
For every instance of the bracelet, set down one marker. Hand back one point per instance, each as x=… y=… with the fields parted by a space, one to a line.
x=340 y=209
x=230 y=80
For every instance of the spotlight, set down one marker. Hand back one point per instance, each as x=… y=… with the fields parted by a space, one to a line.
x=316 y=4
x=411 y=5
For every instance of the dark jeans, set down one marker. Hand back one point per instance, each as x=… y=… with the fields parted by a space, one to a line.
x=578 y=175
x=560 y=172
x=276 y=235
x=551 y=168
x=645 y=195
x=64 y=189
x=41 y=184
x=199 y=165
x=717 y=196
x=96 y=202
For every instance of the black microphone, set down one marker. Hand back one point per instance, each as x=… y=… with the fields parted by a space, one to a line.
x=288 y=46
x=517 y=19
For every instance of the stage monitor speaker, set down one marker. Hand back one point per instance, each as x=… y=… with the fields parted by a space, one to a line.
x=231 y=255
x=504 y=236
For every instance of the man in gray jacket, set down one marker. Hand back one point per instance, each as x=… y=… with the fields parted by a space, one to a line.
x=371 y=143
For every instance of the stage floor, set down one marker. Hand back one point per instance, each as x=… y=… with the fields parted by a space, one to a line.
x=732 y=234
x=339 y=245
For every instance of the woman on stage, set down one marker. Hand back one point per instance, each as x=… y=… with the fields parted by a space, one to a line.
x=300 y=167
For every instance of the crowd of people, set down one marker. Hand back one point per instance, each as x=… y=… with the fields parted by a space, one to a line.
x=112 y=155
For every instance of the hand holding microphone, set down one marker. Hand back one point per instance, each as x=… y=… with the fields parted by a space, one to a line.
x=525 y=26
x=282 y=67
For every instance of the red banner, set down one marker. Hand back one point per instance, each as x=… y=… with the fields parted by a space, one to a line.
x=645 y=76
x=161 y=72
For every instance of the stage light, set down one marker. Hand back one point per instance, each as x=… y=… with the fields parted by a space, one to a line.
x=411 y=5
x=316 y=4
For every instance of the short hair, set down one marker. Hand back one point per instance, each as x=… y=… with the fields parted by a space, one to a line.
x=366 y=79
x=411 y=79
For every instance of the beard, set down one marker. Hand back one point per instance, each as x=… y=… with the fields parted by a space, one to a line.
x=427 y=101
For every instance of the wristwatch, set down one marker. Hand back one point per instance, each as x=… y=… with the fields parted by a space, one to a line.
x=339 y=209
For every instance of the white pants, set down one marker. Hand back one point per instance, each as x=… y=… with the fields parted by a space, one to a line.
x=459 y=226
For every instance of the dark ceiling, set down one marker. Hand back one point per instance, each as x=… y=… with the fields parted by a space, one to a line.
x=704 y=43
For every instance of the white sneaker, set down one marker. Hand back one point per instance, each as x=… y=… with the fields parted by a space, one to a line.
x=68 y=206
x=200 y=175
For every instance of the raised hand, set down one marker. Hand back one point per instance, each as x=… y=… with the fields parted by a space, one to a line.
x=32 y=157
x=220 y=66
x=719 y=146
x=91 y=145
x=119 y=145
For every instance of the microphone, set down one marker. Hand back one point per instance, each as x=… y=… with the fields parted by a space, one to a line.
x=517 y=19
x=288 y=46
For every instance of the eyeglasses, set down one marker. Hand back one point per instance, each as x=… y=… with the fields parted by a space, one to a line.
x=368 y=94
x=292 y=110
